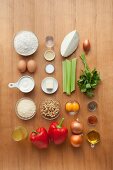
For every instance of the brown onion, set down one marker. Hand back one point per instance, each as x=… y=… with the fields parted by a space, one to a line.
x=76 y=140
x=76 y=127
x=86 y=45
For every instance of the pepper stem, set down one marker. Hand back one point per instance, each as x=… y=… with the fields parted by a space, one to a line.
x=60 y=124
x=34 y=131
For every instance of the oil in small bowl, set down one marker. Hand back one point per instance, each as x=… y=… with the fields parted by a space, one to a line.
x=19 y=133
x=93 y=137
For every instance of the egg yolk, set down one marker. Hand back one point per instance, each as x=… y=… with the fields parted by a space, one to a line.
x=75 y=107
x=69 y=107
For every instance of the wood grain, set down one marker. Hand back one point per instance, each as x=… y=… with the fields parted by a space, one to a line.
x=94 y=20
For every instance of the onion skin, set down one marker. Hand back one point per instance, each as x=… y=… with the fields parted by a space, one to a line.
x=76 y=140
x=76 y=127
x=86 y=45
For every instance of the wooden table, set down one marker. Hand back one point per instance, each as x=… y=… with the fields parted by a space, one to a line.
x=93 y=20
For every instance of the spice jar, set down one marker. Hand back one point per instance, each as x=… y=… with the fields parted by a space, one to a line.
x=92 y=106
x=92 y=120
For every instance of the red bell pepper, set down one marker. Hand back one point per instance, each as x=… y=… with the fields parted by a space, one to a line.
x=40 y=138
x=57 y=133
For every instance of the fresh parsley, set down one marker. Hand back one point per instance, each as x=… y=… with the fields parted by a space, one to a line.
x=88 y=79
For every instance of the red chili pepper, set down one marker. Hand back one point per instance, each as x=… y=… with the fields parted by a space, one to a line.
x=40 y=138
x=57 y=133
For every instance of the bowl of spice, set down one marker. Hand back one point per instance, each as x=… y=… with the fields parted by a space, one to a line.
x=92 y=120
x=49 y=55
x=50 y=109
x=25 y=108
x=92 y=106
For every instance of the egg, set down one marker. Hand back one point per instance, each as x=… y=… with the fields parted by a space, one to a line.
x=31 y=66
x=22 y=66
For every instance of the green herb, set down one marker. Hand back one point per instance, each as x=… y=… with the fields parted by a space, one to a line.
x=88 y=79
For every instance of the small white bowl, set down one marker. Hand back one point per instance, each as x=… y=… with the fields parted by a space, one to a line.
x=49 y=68
x=49 y=55
x=55 y=85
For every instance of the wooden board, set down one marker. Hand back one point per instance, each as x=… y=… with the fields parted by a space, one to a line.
x=94 y=20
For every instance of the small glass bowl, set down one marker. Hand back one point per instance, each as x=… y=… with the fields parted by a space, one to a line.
x=49 y=118
x=92 y=106
x=92 y=120
x=49 y=55
x=71 y=112
x=19 y=133
x=24 y=118
x=49 y=41
x=93 y=137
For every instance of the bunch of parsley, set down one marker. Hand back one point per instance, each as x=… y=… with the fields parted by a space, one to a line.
x=88 y=79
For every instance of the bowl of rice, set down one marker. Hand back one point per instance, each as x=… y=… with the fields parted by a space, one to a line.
x=25 y=108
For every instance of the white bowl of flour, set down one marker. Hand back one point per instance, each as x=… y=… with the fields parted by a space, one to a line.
x=25 y=43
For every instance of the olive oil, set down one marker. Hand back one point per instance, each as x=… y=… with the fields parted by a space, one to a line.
x=93 y=137
x=19 y=133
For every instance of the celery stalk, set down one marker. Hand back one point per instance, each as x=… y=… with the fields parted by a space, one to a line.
x=73 y=74
x=68 y=89
x=64 y=76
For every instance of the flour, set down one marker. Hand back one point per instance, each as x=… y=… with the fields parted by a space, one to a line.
x=26 y=108
x=25 y=43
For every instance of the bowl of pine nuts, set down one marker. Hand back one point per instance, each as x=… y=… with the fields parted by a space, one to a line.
x=50 y=109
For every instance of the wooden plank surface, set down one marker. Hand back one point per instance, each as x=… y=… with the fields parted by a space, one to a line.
x=94 y=20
